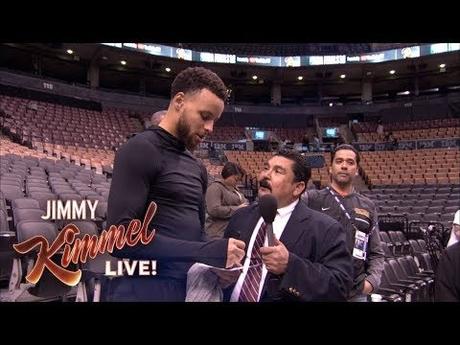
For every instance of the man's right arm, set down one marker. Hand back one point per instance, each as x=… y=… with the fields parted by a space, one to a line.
x=130 y=185
x=213 y=252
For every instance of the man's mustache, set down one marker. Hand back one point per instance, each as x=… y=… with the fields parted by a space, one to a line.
x=264 y=183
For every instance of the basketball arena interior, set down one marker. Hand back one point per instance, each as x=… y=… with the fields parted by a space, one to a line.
x=65 y=110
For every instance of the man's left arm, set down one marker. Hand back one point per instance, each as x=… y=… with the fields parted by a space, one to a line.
x=328 y=278
x=376 y=257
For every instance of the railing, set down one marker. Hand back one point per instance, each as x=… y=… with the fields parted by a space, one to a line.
x=409 y=144
x=393 y=223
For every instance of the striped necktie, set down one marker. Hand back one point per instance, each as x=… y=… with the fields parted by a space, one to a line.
x=251 y=284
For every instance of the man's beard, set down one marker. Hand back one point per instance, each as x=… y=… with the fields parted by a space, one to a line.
x=343 y=183
x=184 y=134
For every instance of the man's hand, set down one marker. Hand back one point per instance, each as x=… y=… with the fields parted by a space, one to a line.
x=275 y=258
x=235 y=252
x=368 y=288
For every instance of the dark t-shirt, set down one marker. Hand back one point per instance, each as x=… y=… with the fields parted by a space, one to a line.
x=371 y=268
x=155 y=166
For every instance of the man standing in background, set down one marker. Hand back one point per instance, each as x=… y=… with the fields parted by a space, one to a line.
x=358 y=215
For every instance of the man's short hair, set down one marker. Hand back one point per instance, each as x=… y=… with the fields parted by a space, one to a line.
x=301 y=169
x=193 y=79
x=346 y=147
x=230 y=169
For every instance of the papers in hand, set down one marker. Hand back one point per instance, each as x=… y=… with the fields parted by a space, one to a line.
x=218 y=269
x=221 y=269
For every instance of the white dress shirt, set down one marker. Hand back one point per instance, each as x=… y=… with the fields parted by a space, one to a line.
x=281 y=219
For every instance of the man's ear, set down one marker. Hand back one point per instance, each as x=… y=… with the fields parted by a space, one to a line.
x=178 y=101
x=299 y=188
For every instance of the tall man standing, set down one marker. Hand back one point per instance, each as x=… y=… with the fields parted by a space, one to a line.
x=157 y=165
x=358 y=215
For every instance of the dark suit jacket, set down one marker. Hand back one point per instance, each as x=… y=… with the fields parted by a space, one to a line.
x=320 y=264
x=447 y=288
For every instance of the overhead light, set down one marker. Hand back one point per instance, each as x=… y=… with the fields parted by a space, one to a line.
x=443 y=65
x=104 y=58
x=343 y=76
x=123 y=62
x=167 y=69
x=404 y=93
x=254 y=77
x=331 y=104
x=300 y=77
x=69 y=51
x=392 y=71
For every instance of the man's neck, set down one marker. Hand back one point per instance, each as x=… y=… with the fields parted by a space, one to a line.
x=343 y=190
x=169 y=127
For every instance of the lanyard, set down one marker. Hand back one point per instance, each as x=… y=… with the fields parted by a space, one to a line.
x=338 y=202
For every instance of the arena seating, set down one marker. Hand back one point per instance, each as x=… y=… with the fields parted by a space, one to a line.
x=66 y=153
x=412 y=130
x=416 y=167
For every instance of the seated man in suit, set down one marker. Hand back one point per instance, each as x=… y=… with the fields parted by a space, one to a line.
x=310 y=260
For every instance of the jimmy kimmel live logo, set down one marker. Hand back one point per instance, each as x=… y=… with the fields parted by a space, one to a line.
x=71 y=209
x=78 y=250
